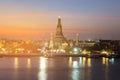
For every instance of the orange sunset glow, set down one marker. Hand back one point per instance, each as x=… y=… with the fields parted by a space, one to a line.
x=59 y=39
x=29 y=19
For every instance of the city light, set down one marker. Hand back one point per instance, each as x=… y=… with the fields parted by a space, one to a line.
x=59 y=44
x=59 y=39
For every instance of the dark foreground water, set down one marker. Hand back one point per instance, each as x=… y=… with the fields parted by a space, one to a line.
x=59 y=68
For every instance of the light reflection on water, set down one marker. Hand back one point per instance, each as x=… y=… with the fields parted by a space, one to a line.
x=28 y=63
x=76 y=64
x=107 y=61
x=15 y=62
x=112 y=60
x=16 y=67
x=64 y=68
x=42 y=75
x=89 y=62
x=82 y=62
x=43 y=63
x=70 y=61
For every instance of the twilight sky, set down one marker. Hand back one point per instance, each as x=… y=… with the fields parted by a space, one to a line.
x=36 y=19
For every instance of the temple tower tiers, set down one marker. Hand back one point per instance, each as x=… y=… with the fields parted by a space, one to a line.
x=59 y=38
x=59 y=28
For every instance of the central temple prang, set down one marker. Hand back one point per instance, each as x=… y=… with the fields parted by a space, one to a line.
x=59 y=38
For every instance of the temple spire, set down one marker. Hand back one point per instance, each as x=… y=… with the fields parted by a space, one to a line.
x=77 y=40
x=59 y=38
x=51 y=42
x=59 y=20
x=59 y=28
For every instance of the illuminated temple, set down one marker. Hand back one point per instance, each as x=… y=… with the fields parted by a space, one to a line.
x=59 y=38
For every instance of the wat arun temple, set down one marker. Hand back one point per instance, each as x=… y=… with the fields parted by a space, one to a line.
x=58 y=42
x=59 y=39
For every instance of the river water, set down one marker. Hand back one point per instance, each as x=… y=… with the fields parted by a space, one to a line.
x=59 y=68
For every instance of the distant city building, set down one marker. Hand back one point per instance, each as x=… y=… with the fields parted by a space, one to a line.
x=83 y=44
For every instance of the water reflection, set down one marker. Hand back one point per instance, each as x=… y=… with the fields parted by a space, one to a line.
x=112 y=60
x=83 y=62
x=70 y=62
x=105 y=61
x=89 y=62
x=79 y=62
x=75 y=74
x=43 y=62
x=15 y=63
x=42 y=75
x=80 y=66
x=16 y=68
x=59 y=68
x=28 y=63
x=75 y=64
